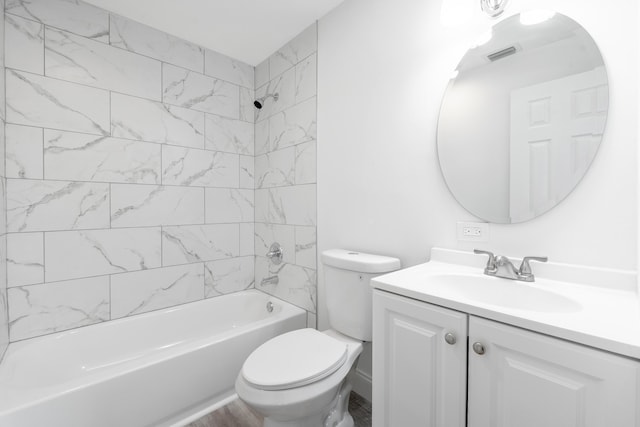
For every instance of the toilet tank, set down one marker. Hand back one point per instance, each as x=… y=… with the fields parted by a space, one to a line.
x=348 y=293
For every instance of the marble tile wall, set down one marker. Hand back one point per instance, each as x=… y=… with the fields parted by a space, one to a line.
x=130 y=169
x=285 y=171
x=4 y=307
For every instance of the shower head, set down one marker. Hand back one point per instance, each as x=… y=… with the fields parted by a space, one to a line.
x=258 y=102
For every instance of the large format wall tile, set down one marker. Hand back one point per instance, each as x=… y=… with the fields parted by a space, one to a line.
x=40 y=101
x=267 y=234
x=141 y=119
x=285 y=87
x=52 y=307
x=194 y=243
x=227 y=276
x=4 y=321
x=4 y=303
x=143 y=291
x=306 y=78
x=72 y=254
x=229 y=205
x=247 y=172
x=276 y=169
x=247 y=108
x=23 y=152
x=191 y=167
x=296 y=284
x=229 y=135
x=56 y=205
x=293 y=126
x=24 y=41
x=71 y=15
x=246 y=238
x=225 y=68
x=262 y=73
x=294 y=205
x=306 y=246
x=139 y=38
x=189 y=89
x=306 y=163
x=25 y=259
x=303 y=45
x=262 y=137
x=148 y=205
x=80 y=60
x=82 y=157
x=3 y=206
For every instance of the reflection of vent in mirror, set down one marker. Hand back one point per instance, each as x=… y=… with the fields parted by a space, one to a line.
x=516 y=136
x=501 y=53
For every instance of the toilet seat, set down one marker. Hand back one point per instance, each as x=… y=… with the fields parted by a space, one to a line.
x=294 y=359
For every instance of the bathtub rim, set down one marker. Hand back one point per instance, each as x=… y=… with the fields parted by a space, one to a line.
x=153 y=357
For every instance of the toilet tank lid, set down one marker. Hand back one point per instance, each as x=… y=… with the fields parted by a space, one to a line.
x=359 y=261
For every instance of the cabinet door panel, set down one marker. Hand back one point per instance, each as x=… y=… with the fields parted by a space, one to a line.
x=418 y=379
x=526 y=379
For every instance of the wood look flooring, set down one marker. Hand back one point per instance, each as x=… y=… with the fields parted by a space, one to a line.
x=237 y=414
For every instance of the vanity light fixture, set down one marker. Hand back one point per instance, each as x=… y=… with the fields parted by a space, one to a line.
x=534 y=17
x=493 y=8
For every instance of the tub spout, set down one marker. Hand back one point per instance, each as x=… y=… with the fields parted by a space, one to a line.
x=272 y=280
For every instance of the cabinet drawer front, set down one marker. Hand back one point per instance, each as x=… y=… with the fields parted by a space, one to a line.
x=419 y=378
x=526 y=379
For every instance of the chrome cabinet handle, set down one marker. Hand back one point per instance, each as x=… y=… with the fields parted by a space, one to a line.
x=450 y=338
x=478 y=348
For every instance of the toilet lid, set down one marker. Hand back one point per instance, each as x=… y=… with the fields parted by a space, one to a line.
x=294 y=359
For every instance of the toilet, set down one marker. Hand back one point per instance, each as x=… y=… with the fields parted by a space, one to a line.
x=301 y=378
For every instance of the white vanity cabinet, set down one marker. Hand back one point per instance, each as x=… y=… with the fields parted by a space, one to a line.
x=516 y=378
x=527 y=379
x=419 y=378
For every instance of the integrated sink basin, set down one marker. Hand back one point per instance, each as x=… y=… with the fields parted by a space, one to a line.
x=509 y=294
x=597 y=307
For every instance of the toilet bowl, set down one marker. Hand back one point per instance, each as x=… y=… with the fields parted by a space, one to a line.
x=309 y=394
x=301 y=378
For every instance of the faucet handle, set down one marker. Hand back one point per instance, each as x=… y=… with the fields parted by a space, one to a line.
x=491 y=262
x=525 y=268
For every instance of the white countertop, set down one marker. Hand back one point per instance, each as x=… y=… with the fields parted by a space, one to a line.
x=606 y=314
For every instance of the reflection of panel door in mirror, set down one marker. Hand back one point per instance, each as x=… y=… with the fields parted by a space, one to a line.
x=556 y=127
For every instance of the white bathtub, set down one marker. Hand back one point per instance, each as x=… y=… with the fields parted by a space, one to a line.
x=163 y=368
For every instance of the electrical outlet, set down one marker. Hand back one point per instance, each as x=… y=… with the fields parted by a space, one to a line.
x=473 y=231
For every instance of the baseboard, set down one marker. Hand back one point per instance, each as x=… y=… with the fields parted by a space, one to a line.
x=362 y=384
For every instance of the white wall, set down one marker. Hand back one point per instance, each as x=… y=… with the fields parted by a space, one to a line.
x=382 y=69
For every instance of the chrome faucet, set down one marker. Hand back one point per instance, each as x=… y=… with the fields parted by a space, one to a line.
x=501 y=266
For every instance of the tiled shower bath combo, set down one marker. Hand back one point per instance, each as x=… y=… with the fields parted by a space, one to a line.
x=140 y=175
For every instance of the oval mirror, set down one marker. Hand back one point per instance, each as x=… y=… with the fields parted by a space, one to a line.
x=522 y=117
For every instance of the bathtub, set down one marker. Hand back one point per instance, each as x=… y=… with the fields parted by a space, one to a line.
x=164 y=368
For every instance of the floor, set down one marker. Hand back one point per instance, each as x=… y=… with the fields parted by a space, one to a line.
x=237 y=414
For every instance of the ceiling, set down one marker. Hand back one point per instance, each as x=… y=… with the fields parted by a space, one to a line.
x=248 y=30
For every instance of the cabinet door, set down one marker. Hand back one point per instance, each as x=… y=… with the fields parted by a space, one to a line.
x=418 y=378
x=525 y=379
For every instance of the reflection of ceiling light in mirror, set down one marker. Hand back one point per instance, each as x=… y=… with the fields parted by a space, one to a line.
x=493 y=8
x=455 y=13
x=534 y=17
